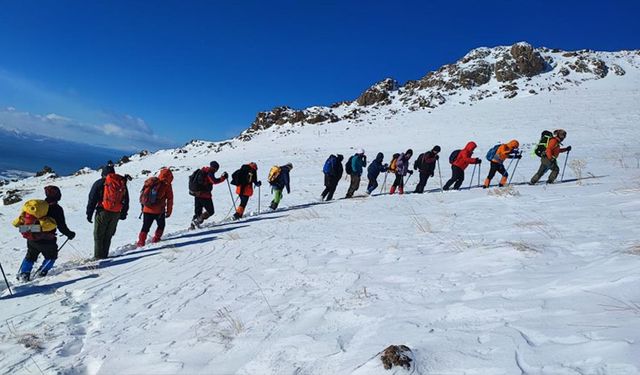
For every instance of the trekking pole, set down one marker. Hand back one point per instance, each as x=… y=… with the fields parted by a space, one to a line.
x=259 y=194
x=64 y=243
x=473 y=174
x=565 y=166
x=479 y=169
x=439 y=174
x=5 y=279
x=407 y=182
x=231 y=195
x=514 y=171
x=384 y=183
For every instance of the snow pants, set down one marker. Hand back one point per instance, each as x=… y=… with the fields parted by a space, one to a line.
x=148 y=220
x=277 y=197
x=330 y=185
x=203 y=204
x=49 y=249
x=457 y=177
x=545 y=165
x=424 y=177
x=104 y=227
x=353 y=186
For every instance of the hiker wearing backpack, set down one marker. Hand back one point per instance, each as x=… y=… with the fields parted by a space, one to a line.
x=201 y=183
x=373 y=171
x=460 y=160
x=426 y=164
x=401 y=170
x=156 y=198
x=48 y=216
x=354 y=166
x=548 y=160
x=109 y=199
x=244 y=179
x=332 y=174
x=279 y=180
x=497 y=155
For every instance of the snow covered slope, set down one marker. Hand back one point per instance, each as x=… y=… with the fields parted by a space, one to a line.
x=534 y=280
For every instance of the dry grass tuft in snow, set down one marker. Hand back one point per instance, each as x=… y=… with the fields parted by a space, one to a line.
x=634 y=249
x=31 y=341
x=508 y=191
x=577 y=166
x=523 y=247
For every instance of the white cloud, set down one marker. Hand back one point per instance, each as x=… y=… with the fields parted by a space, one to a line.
x=124 y=132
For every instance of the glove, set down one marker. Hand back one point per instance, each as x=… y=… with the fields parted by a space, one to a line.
x=225 y=175
x=568 y=148
x=258 y=183
x=437 y=157
x=166 y=216
x=410 y=172
x=90 y=218
x=71 y=235
x=518 y=156
x=123 y=216
x=478 y=161
x=431 y=174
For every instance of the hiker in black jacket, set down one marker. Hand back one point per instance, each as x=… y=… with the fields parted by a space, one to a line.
x=426 y=164
x=45 y=242
x=332 y=174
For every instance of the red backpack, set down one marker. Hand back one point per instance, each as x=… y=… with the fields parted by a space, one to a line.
x=150 y=193
x=115 y=187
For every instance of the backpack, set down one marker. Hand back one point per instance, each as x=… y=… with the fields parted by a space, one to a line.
x=33 y=222
x=196 y=182
x=274 y=173
x=453 y=156
x=149 y=193
x=349 y=168
x=394 y=163
x=240 y=176
x=541 y=147
x=492 y=152
x=115 y=187
x=418 y=163
x=329 y=164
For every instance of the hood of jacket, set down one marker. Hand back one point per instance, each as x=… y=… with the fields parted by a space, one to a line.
x=380 y=157
x=165 y=175
x=470 y=147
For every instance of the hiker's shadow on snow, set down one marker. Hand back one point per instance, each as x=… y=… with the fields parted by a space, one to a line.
x=214 y=230
x=28 y=290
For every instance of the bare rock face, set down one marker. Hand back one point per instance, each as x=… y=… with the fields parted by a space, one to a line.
x=617 y=69
x=45 y=170
x=476 y=74
x=12 y=196
x=397 y=355
x=124 y=160
x=378 y=93
x=277 y=116
x=522 y=61
x=590 y=65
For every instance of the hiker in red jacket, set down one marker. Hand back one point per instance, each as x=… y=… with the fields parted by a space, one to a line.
x=460 y=163
x=156 y=199
x=244 y=179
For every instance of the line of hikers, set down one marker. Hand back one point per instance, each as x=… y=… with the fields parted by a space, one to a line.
x=548 y=149
x=108 y=201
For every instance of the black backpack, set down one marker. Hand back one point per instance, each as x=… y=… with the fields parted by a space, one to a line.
x=196 y=181
x=418 y=163
x=453 y=156
x=348 y=167
x=541 y=147
x=241 y=176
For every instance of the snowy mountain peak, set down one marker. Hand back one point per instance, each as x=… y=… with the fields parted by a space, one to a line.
x=501 y=72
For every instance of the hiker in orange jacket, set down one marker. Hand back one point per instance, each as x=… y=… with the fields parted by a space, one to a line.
x=156 y=199
x=549 y=161
x=505 y=151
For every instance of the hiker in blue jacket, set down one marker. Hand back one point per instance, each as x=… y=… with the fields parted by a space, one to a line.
x=332 y=174
x=373 y=171
x=356 y=164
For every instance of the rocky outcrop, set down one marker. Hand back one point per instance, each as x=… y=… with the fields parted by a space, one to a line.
x=618 y=70
x=521 y=61
x=13 y=196
x=586 y=64
x=397 y=355
x=45 y=170
x=378 y=93
x=475 y=74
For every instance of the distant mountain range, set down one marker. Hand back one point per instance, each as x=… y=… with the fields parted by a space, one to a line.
x=25 y=153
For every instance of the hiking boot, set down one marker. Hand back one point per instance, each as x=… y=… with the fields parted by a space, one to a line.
x=43 y=273
x=24 y=277
x=236 y=216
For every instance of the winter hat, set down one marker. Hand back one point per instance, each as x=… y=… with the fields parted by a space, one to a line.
x=108 y=169
x=52 y=193
x=214 y=165
x=436 y=148
x=340 y=157
x=360 y=151
x=560 y=133
x=289 y=165
x=253 y=166
x=409 y=152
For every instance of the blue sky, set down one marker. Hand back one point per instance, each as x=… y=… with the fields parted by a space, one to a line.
x=133 y=74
